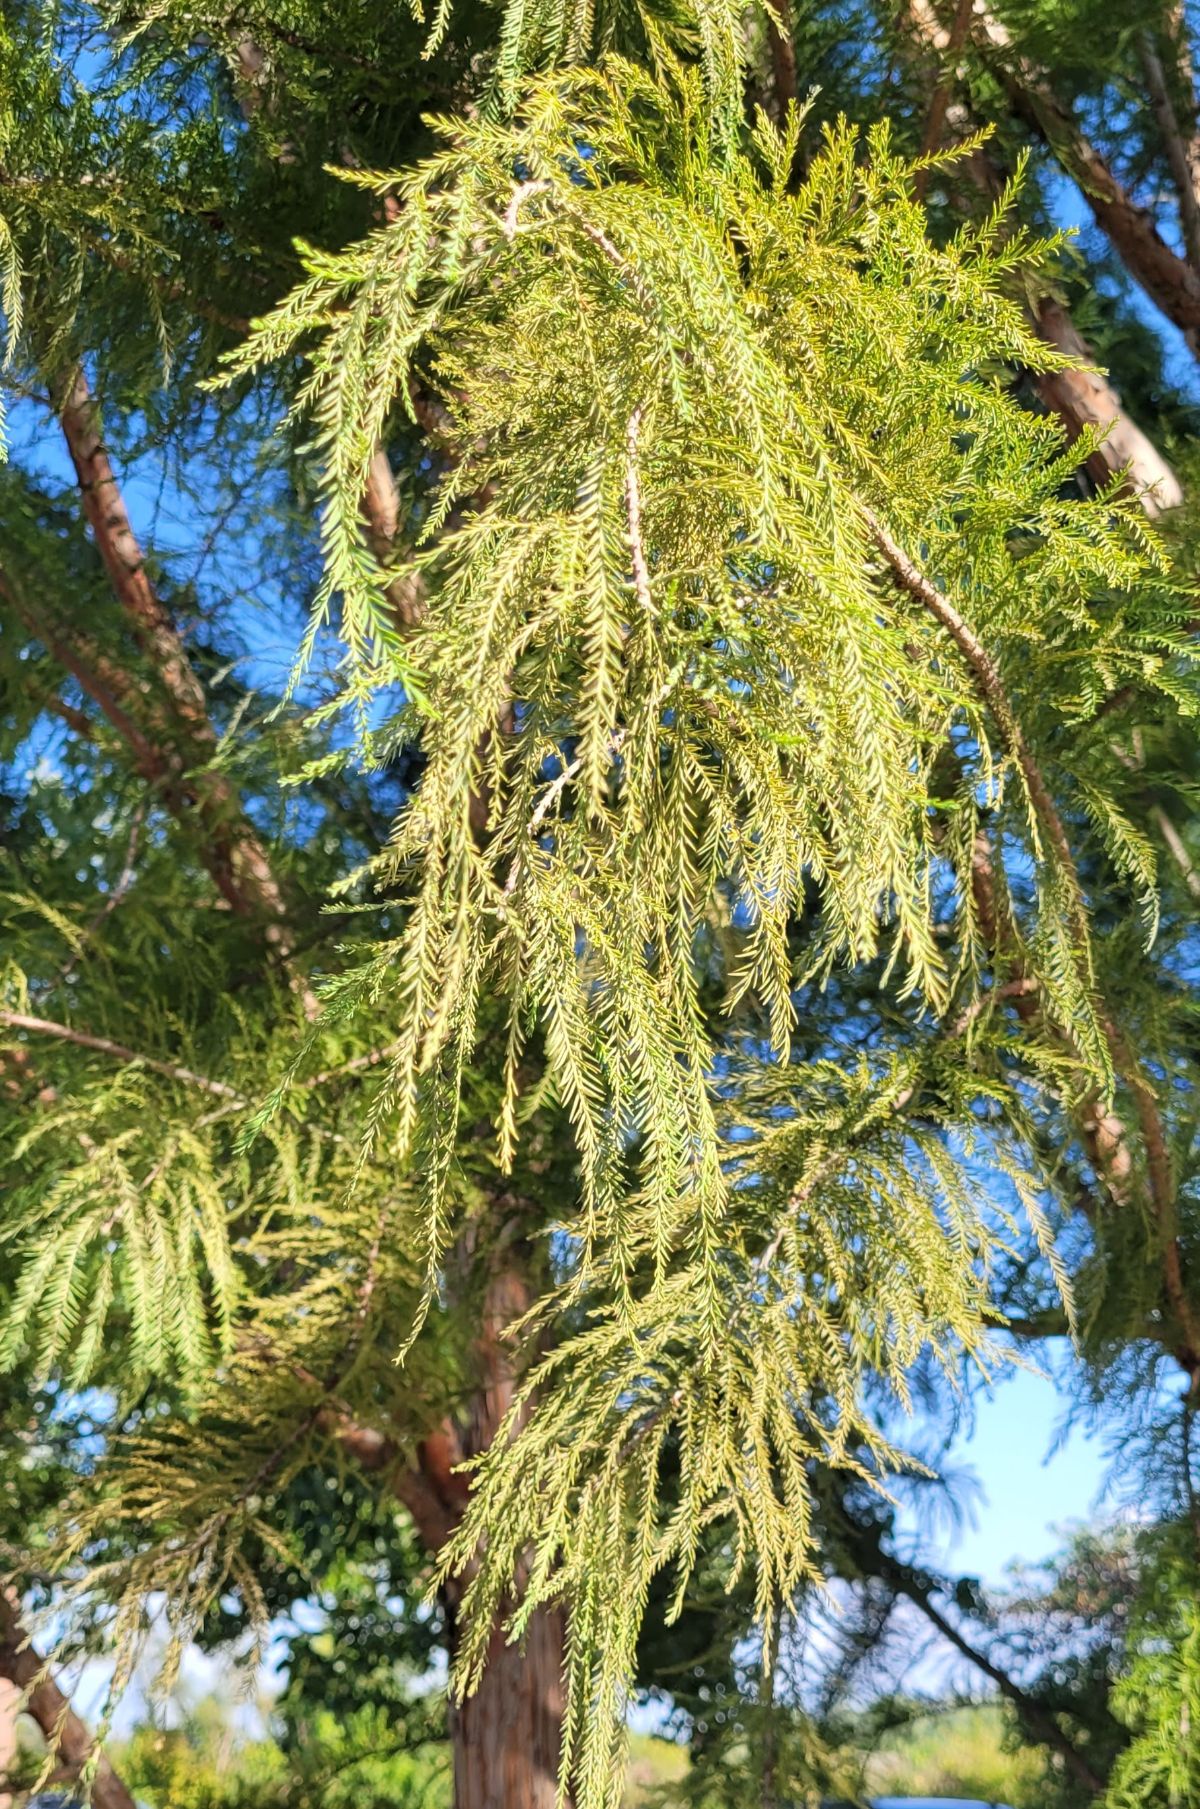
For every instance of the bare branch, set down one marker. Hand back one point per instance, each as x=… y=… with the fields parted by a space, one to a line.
x=103 y=1045
x=1037 y=1721
x=1173 y=145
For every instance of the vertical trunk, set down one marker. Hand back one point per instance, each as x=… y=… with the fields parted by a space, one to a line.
x=506 y=1737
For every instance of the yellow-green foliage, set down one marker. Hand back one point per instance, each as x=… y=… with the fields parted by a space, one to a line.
x=683 y=392
x=725 y=759
x=356 y=1765
x=1159 y=1699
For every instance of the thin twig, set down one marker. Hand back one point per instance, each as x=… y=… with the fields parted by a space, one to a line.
x=124 y=881
x=633 y=512
x=103 y=1045
x=992 y=689
x=355 y=1065
x=550 y=797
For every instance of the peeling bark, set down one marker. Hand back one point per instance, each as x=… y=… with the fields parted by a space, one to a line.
x=1082 y=397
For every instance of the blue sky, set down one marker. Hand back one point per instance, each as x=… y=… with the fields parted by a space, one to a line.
x=1032 y=1479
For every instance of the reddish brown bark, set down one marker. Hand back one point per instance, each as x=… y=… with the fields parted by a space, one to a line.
x=1081 y=397
x=1168 y=279
x=506 y=1738
x=508 y=1735
x=170 y=734
x=62 y=1728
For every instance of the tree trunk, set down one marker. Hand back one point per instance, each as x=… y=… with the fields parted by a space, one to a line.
x=507 y=1736
x=1084 y=397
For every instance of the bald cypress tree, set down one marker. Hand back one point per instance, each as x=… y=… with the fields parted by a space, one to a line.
x=595 y=879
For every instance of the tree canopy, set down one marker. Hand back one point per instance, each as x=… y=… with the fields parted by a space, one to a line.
x=597 y=708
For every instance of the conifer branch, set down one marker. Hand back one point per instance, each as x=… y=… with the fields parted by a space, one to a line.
x=108 y=689
x=1177 y=848
x=1103 y=1127
x=103 y=1045
x=1039 y=1723
x=993 y=692
x=1080 y=394
x=1082 y=397
x=358 y=1064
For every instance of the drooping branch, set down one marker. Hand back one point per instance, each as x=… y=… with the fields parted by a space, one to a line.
x=633 y=516
x=992 y=690
x=1104 y=1132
